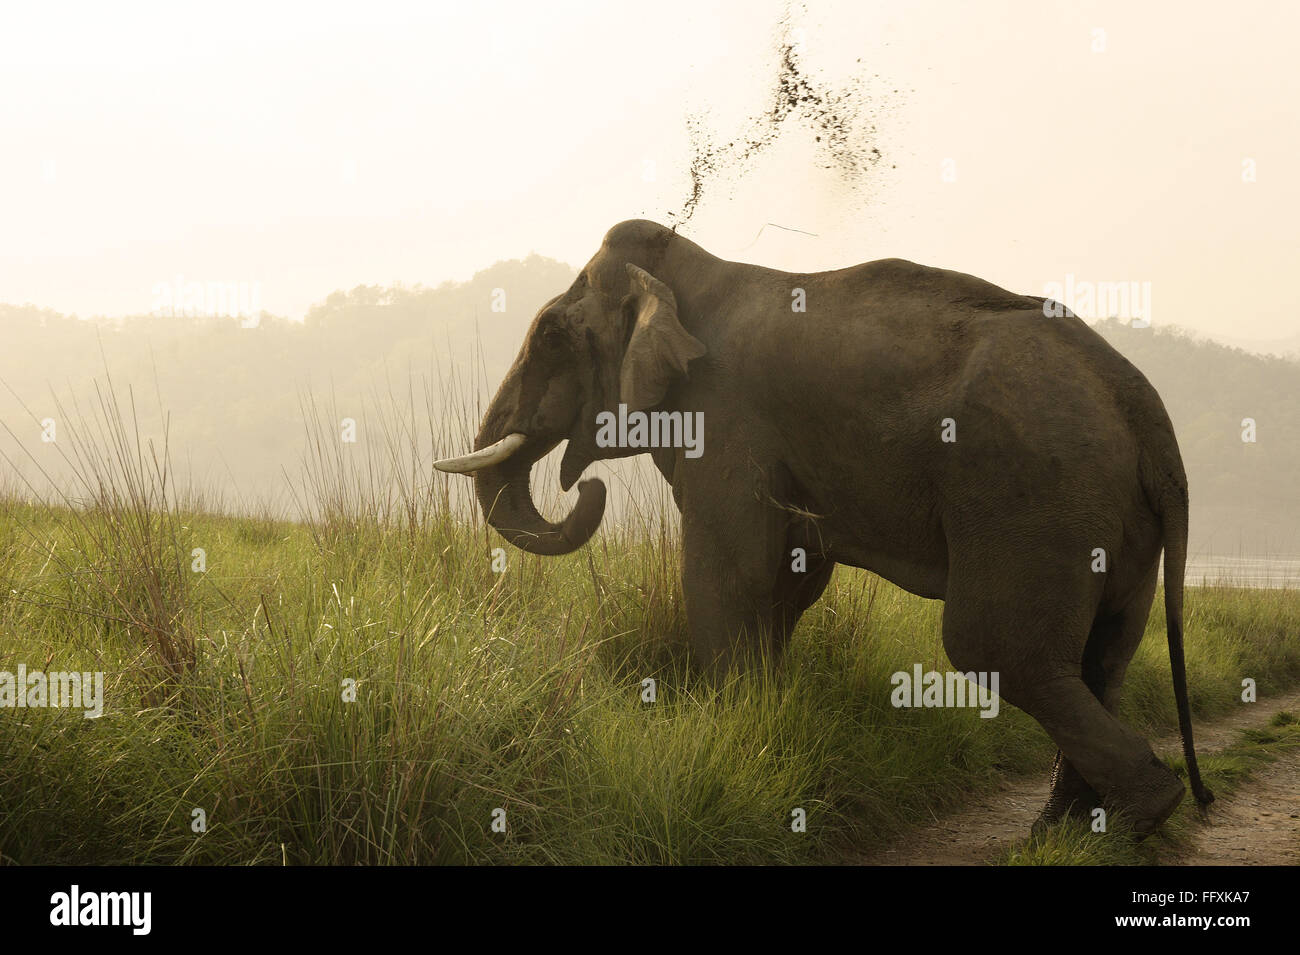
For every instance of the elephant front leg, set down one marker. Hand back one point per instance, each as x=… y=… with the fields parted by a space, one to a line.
x=730 y=562
x=800 y=583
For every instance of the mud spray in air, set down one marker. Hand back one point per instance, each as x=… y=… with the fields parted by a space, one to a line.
x=840 y=118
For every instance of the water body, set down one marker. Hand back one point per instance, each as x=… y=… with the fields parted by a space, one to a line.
x=1239 y=571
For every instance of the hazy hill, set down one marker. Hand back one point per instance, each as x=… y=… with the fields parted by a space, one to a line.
x=1245 y=495
x=234 y=393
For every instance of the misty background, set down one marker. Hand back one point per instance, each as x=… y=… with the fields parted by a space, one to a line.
x=247 y=212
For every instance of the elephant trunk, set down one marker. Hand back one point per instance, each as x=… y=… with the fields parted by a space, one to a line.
x=505 y=495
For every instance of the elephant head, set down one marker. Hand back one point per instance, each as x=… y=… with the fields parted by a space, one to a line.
x=614 y=337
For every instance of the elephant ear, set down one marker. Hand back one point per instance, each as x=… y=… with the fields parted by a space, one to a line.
x=659 y=349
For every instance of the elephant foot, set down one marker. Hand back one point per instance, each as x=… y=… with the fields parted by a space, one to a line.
x=1151 y=799
x=1070 y=797
x=1061 y=806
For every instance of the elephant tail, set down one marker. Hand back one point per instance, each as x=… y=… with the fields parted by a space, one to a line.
x=1174 y=520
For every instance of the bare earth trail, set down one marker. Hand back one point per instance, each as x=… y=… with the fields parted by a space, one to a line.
x=1257 y=825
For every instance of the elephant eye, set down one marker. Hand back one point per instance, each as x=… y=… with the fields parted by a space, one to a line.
x=554 y=337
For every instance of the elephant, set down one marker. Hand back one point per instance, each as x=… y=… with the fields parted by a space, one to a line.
x=954 y=438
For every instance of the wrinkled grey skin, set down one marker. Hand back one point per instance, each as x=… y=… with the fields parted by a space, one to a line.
x=822 y=431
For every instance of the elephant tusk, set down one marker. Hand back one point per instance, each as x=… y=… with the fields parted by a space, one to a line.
x=492 y=454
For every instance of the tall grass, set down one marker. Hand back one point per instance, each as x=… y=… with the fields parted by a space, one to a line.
x=363 y=687
x=117 y=555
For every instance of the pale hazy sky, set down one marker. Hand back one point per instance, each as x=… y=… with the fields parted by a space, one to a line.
x=318 y=146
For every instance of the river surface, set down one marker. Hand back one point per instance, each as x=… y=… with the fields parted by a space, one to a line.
x=1238 y=571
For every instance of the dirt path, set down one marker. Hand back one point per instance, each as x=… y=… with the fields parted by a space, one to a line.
x=1259 y=825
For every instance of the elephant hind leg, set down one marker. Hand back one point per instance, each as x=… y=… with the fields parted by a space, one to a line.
x=1116 y=762
x=1036 y=643
x=1113 y=640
